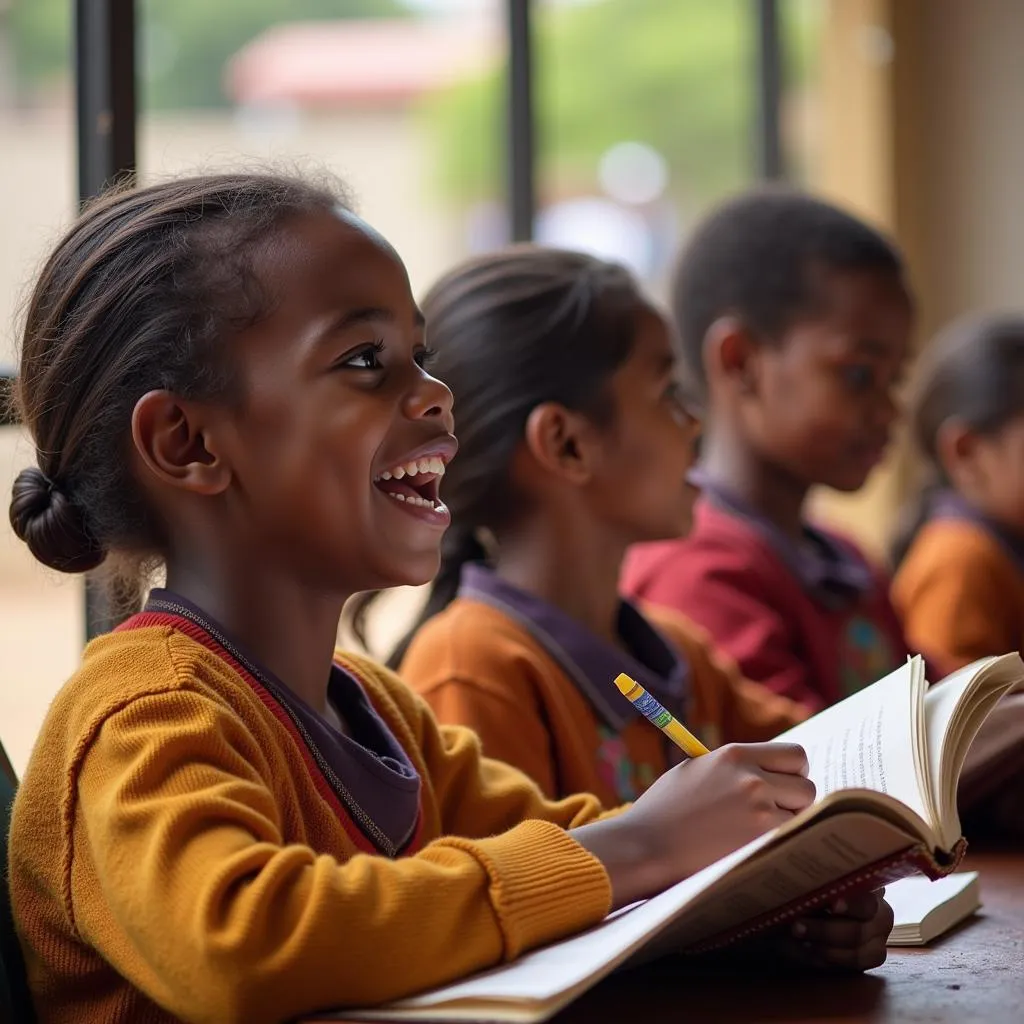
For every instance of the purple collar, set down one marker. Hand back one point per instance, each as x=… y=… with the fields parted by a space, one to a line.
x=831 y=572
x=368 y=770
x=948 y=504
x=590 y=662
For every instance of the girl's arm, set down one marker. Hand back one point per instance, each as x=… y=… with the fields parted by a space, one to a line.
x=181 y=879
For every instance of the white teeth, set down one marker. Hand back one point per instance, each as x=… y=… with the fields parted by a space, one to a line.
x=433 y=464
x=412 y=499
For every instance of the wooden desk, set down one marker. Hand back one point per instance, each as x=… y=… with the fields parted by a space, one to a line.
x=975 y=973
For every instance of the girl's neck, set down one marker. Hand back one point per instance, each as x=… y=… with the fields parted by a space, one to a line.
x=563 y=561
x=765 y=488
x=290 y=630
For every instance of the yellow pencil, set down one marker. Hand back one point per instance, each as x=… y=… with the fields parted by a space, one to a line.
x=657 y=715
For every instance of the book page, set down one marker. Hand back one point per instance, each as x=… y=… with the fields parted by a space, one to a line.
x=867 y=741
x=923 y=909
x=913 y=899
x=964 y=705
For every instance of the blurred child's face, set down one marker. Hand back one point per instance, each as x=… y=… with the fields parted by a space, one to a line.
x=641 y=485
x=824 y=404
x=994 y=478
x=338 y=444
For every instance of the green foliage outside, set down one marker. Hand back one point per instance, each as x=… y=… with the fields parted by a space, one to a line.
x=675 y=74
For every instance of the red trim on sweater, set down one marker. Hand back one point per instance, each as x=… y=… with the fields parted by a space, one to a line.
x=144 y=620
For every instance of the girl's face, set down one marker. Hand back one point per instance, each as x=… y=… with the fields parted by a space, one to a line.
x=993 y=476
x=640 y=486
x=337 y=448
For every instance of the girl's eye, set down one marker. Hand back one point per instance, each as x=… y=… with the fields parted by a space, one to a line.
x=424 y=357
x=674 y=396
x=858 y=376
x=365 y=359
x=681 y=404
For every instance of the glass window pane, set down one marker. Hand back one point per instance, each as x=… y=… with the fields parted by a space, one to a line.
x=41 y=613
x=801 y=23
x=645 y=111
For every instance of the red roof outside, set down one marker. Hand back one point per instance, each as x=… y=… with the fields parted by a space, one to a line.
x=376 y=62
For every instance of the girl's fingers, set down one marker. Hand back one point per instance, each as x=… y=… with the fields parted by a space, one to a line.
x=809 y=954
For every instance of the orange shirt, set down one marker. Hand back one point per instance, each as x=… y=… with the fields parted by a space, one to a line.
x=960 y=593
x=480 y=667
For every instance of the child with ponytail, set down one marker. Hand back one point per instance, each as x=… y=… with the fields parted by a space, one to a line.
x=223 y=818
x=959 y=586
x=576 y=438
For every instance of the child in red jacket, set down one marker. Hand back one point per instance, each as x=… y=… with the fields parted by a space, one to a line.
x=795 y=318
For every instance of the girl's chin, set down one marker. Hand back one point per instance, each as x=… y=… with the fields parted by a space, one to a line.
x=415 y=570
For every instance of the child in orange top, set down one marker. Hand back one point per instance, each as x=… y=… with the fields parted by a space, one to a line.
x=576 y=442
x=960 y=579
x=222 y=819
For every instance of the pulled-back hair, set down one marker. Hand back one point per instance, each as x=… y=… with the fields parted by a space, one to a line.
x=142 y=293
x=972 y=372
x=511 y=331
x=759 y=257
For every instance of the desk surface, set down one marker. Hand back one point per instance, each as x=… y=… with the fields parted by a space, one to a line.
x=974 y=973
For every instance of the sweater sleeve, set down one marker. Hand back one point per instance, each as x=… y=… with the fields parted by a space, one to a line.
x=181 y=879
x=955 y=606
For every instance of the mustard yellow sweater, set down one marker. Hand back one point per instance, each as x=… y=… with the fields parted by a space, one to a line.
x=171 y=857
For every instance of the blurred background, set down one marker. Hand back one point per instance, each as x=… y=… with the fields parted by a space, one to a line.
x=605 y=125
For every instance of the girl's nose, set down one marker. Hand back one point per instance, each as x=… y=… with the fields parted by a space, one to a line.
x=429 y=398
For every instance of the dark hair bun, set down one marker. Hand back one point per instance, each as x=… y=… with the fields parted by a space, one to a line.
x=51 y=524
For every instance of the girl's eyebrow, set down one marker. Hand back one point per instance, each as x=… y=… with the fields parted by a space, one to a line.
x=664 y=363
x=367 y=314
x=872 y=347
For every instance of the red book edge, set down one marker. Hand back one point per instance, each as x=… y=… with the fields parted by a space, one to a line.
x=909 y=861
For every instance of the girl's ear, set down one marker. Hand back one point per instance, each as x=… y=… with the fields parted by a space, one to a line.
x=175 y=444
x=730 y=355
x=956 y=446
x=560 y=442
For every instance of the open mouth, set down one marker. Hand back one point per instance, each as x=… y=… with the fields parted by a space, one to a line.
x=416 y=482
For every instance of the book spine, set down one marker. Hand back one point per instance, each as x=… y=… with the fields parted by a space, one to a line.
x=909 y=861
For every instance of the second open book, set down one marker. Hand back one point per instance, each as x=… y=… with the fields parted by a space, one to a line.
x=886 y=763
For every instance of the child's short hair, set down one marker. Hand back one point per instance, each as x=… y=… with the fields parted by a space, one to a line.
x=141 y=294
x=755 y=258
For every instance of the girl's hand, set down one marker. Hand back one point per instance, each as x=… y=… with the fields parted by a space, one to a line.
x=696 y=813
x=848 y=936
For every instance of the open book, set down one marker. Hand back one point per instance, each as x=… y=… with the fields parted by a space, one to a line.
x=923 y=909
x=886 y=762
